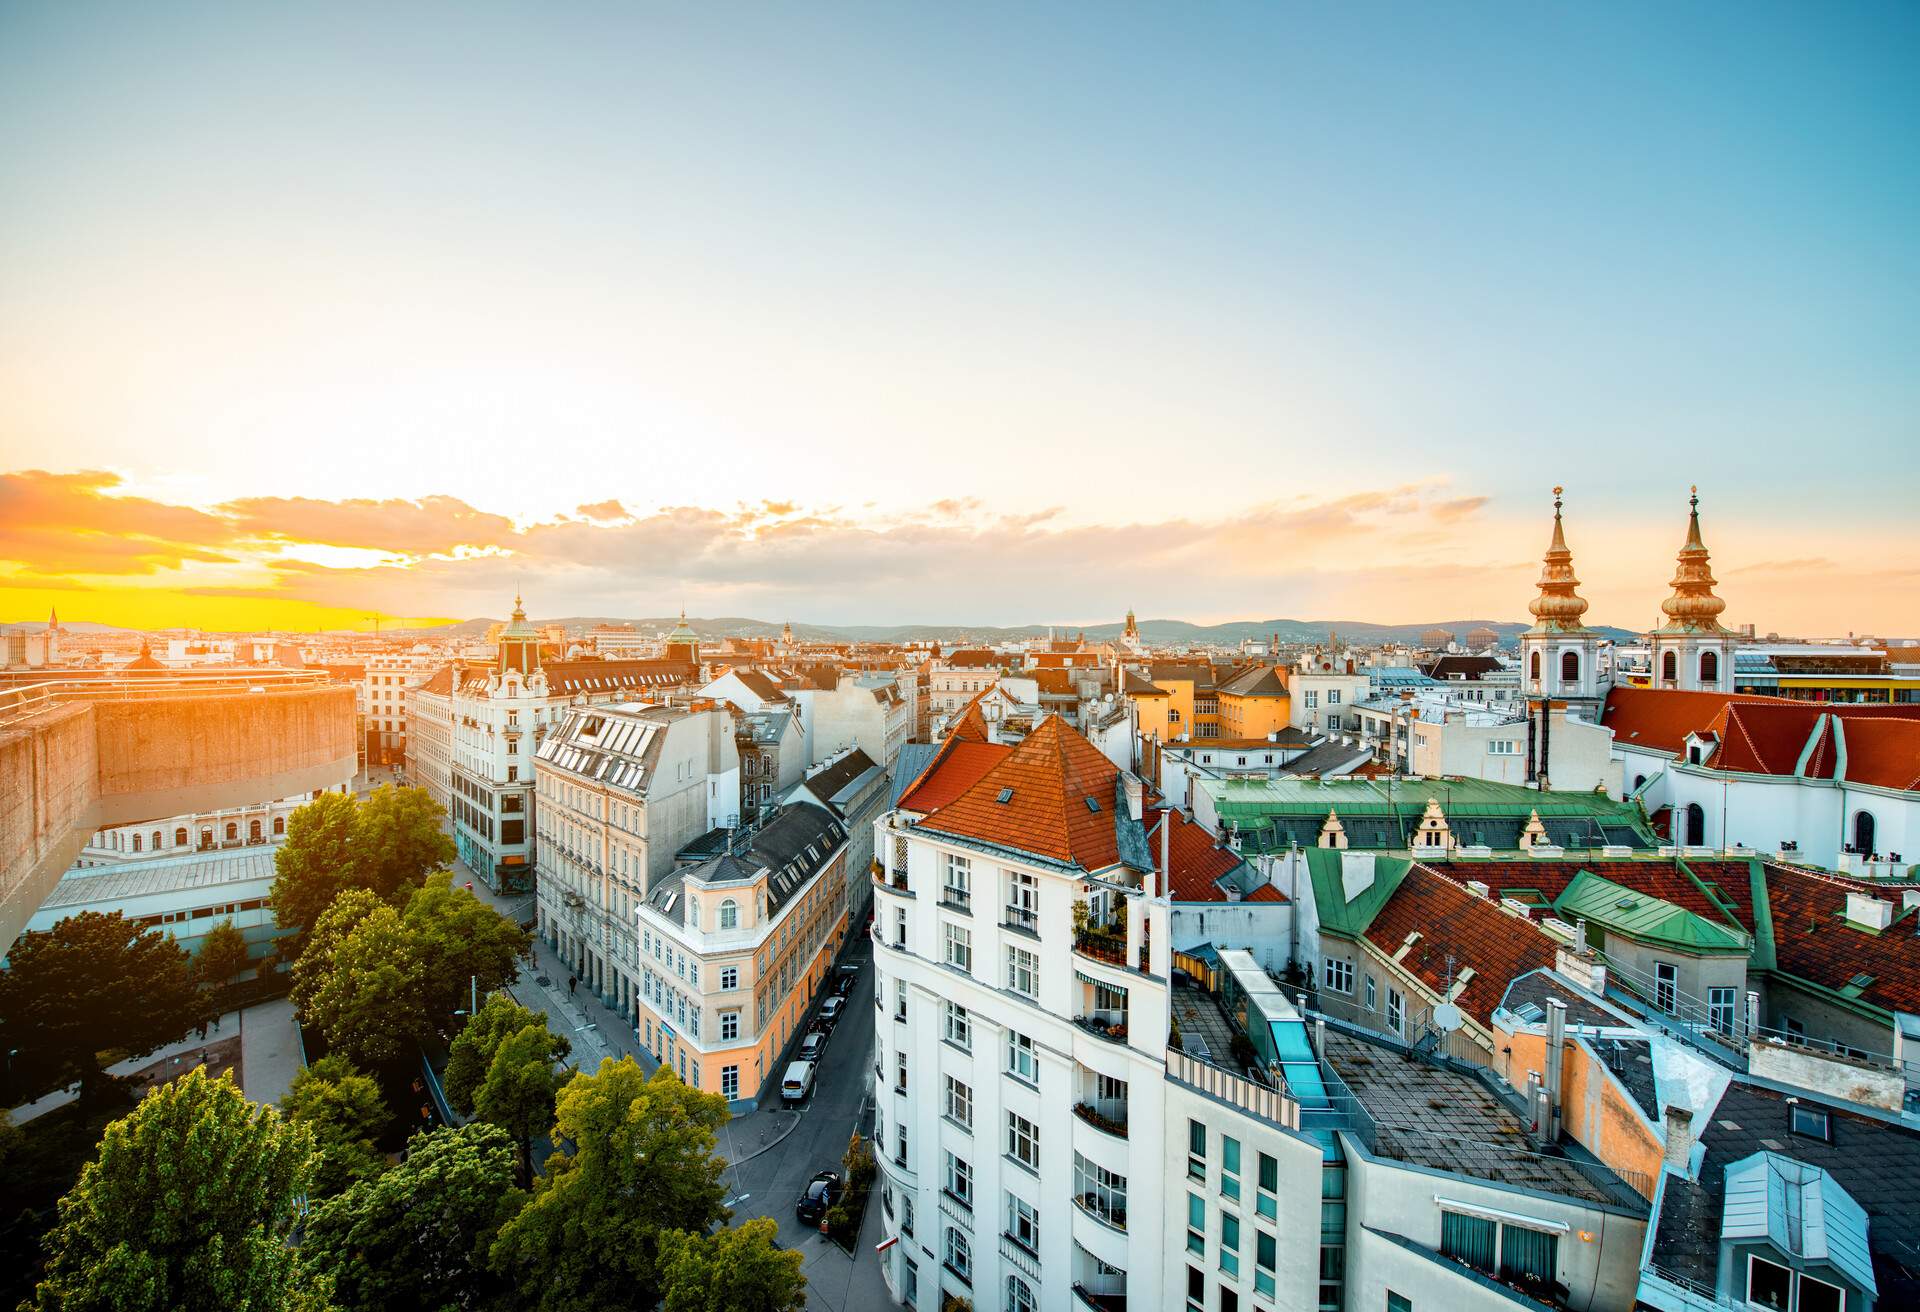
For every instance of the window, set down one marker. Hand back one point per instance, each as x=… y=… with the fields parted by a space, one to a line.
x=136 y=837
x=900 y=927
x=1312 y=701
x=1019 y=1296
x=959 y=1027
x=180 y=836
x=1265 y=1259
x=1666 y=985
x=1468 y=1239
x=729 y=914
x=959 y=1103
x=959 y=947
x=1023 y=971
x=1268 y=1201
x=1197 y=1225
x=1569 y=667
x=729 y=1025
x=730 y=1081
x=1333 y=720
x=906 y=1202
x=900 y=1071
x=1709 y=669
x=1396 y=1010
x=1333 y=696
x=1229 y=1244
x=1021 y=1061
x=900 y=1156
x=1099 y=1192
x=1373 y=993
x=729 y=978
x=959 y=1254
x=957 y=887
x=960 y=1179
x=1229 y=1167
x=1023 y=1141
x=1339 y=975
x=1398 y=1302
x=899 y=999
x=1529 y=1256
x=1196 y=1151
x=1720 y=1004
x=1196 y=1290
x=1023 y=1224
x=1819 y=1296
x=1669 y=667
x=1023 y=900
x=1810 y=1122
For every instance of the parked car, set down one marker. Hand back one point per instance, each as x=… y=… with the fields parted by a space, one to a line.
x=797 y=1083
x=844 y=985
x=830 y=1010
x=812 y=1046
x=821 y=1193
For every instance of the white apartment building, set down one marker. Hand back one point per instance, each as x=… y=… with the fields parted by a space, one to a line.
x=384 y=702
x=1046 y=1142
x=620 y=790
x=958 y=677
x=1324 y=692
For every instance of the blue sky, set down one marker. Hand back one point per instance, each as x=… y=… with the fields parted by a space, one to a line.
x=1116 y=265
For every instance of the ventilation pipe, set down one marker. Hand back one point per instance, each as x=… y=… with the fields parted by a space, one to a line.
x=1556 y=1036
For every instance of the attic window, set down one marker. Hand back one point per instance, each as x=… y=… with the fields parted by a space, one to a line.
x=1006 y=795
x=1093 y=804
x=1860 y=982
x=1810 y=1122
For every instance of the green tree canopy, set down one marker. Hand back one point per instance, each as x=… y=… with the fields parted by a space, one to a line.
x=518 y=1092
x=186 y=1206
x=346 y=1113
x=643 y=1162
x=473 y=1048
x=387 y=844
x=735 y=1269
x=459 y=939
x=369 y=1005
x=416 y=1238
x=93 y=983
x=314 y=967
x=221 y=956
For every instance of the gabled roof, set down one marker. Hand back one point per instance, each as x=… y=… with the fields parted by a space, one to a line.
x=1643 y=917
x=1458 y=931
x=1259 y=681
x=1052 y=797
x=1200 y=863
x=1812 y=940
x=956 y=766
x=971 y=726
x=1661 y=718
x=1135 y=686
x=1458 y=668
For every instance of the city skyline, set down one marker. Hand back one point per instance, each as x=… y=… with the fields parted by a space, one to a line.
x=838 y=301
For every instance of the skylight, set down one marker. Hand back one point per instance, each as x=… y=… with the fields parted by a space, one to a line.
x=1006 y=795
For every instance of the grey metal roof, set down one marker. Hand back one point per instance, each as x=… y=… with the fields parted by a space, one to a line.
x=907 y=767
x=789 y=849
x=1800 y=1210
x=158 y=875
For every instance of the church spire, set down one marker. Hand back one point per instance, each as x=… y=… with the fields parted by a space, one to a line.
x=1558 y=608
x=1693 y=607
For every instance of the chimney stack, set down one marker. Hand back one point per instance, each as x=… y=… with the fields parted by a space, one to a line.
x=1556 y=1037
x=1679 y=1156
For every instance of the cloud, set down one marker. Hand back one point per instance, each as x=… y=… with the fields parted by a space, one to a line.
x=56 y=525
x=430 y=526
x=603 y=510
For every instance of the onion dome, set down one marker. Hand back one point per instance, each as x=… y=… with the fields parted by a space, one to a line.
x=1693 y=608
x=1558 y=608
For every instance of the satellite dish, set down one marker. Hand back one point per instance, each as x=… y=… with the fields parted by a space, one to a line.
x=1446 y=1017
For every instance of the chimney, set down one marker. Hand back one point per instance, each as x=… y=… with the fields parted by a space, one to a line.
x=1136 y=793
x=1556 y=1037
x=1679 y=1140
x=1478 y=887
x=1872 y=912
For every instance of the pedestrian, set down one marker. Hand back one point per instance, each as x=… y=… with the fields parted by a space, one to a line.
x=573 y=982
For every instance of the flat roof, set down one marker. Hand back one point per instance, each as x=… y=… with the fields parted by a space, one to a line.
x=161 y=875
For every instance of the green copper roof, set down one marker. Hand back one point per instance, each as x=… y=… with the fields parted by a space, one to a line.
x=1639 y=916
x=1403 y=796
x=1339 y=916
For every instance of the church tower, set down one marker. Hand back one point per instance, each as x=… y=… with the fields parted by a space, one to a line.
x=519 y=643
x=1692 y=651
x=1560 y=657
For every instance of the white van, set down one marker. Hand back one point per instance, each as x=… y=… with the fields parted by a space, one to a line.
x=797 y=1082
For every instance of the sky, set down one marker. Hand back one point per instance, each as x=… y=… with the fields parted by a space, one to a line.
x=985 y=313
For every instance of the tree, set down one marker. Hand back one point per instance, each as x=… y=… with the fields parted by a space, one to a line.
x=417 y=1236
x=518 y=1092
x=462 y=945
x=369 y=1005
x=346 y=1113
x=222 y=954
x=186 y=1205
x=736 y=1269
x=642 y=1163
x=314 y=966
x=90 y=984
x=398 y=841
x=473 y=1048
x=313 y=864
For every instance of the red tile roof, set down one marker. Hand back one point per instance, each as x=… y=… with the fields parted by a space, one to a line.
x=1047 y=782
x=1662 y=718
x=956 y=767
x=1199 y=861
x=1769 y=735
x=1884 y=751
x=1266 y=893
x=1811 y=939
x=971 y=726
x=1458 y=930
x=1663 y=879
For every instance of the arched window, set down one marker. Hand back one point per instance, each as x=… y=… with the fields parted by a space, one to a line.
x=1534 y=671
x=233 y=831
x=1669 y=667
x=206 y=838
x=158 y=840
x=253 y=831
x=729 y=914
x=1019 y=1296
x=279 y=825
x=1639 y=782
x=1863 y=833
x=1709 y=668
x=1569 y=667
x=136 y=842
x=179 y=838
x=1696 y=835
x=1173 y=717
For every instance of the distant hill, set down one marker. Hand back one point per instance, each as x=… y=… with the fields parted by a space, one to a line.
x=1155 y=631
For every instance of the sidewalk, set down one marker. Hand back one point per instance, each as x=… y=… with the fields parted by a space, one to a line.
x=269 y=1050
x=223 y=1028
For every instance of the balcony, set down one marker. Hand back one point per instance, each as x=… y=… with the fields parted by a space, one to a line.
x=1107 y=1115
x=1103 y=1208
x=1102 y=1293
x=1102 y=945
x=1022 y=919
x=1108 y=1025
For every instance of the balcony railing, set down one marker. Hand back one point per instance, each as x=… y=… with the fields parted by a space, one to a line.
x=1102 y=1293
x=1109 y=1025
x=1105 y=1210
x=1108 y=1115
x=1101 y=945
x=1022 y=918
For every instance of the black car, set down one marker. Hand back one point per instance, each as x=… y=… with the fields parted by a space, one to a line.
x=821 y=1193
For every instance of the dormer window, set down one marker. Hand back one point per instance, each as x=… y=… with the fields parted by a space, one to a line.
x=1811 y=1122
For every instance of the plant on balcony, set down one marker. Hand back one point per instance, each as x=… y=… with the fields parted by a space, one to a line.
x=1088 y=1113
x=955 y=1303
x=1105 y=940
